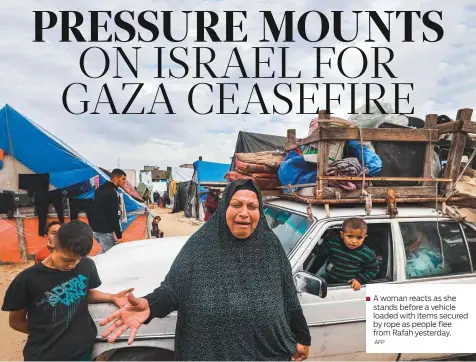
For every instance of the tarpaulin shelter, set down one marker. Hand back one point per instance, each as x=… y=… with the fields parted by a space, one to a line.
x=30 y=149
x=249 y=142
x=194 y=193
x=209 y=172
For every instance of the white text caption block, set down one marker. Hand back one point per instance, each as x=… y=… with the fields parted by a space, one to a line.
x=420 y=318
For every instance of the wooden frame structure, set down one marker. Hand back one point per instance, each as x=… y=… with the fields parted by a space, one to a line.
x=460 y=129
x=430 y=134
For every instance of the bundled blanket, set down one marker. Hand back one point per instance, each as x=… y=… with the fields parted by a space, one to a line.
x=346 y=167
x=265 y=183
x=271 y=159
x=261 y=167
x=253 y=168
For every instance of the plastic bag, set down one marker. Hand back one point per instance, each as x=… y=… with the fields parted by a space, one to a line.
x=376 y=118
x=372 y=160
x=295 y=170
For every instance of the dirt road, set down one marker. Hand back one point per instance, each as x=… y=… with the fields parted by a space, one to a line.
x=11 y=342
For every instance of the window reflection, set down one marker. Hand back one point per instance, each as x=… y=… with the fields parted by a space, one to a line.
x=425 y=253
x=287 y=226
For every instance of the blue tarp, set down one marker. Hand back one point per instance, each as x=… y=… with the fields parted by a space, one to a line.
x=371 y=160
x=41 y=152
x=295 y=170
x=210 y=172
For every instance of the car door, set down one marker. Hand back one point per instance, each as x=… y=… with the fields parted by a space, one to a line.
x=337 y=322
x=422 y=259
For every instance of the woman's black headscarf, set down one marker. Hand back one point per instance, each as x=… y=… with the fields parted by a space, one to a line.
x=234 y=297
x=245 y=184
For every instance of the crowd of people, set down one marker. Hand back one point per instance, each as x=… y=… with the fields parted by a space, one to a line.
x=161 y=200
x=244 y=308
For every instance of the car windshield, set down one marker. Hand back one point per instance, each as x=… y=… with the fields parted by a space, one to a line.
x=289 y=227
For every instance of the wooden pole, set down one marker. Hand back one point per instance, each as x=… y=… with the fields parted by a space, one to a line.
x=458 y=144
x=291 y=139
x=21 y=240
x=374 y=200
x=430 y=180
x=430 y=124
x=322 y=151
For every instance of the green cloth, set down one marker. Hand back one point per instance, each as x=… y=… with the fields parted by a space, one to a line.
x=344 y=264
x=235 y=298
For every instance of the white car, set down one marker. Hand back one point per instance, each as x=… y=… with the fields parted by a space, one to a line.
x=335 y=313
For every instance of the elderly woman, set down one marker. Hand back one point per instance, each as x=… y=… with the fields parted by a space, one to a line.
x=233 y=289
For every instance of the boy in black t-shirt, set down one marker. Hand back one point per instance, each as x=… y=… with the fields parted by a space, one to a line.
x=49 y=301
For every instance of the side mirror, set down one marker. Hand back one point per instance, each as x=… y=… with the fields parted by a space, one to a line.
x=308 y=283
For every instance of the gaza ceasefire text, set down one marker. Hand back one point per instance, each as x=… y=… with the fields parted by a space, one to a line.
x=272 y=52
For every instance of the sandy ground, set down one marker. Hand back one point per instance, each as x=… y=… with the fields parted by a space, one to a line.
x=11 y=342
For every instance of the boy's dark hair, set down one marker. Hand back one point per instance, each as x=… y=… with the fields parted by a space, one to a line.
x=354 y=223
x=158 y=218
x=117 y=172
x=50 y=224
x=76 y=237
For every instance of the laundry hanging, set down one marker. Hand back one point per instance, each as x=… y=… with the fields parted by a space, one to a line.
x=122 y=207
x=42 y=201
x=78 y=205
x=34 y=182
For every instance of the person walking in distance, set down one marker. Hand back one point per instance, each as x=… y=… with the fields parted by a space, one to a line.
x=106 y=219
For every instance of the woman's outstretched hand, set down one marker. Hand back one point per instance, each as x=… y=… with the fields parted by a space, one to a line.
x=130 y=316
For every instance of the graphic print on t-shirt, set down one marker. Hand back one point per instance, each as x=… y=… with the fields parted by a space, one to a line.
x=67 y=294
x=59 y=324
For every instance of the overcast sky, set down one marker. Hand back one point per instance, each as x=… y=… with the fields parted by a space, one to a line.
x=34 y=76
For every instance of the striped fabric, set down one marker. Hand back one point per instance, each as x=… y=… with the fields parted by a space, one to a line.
x=344 y=264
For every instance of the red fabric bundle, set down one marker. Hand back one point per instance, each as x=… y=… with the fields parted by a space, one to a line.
x=262 y=182
x=253 y=168
x=261 y=175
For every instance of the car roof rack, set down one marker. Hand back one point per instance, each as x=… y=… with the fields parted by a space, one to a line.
x=321 y=193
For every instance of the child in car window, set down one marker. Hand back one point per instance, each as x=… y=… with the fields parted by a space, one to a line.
x=347 y=259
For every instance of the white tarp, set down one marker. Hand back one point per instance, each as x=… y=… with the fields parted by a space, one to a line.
x=9 y=174
x=182 y=174
x=159 y=186
x=146 y=178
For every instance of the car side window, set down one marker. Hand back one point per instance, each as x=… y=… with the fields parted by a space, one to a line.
x=379 y=240
x=471 y=239
x=434 y=249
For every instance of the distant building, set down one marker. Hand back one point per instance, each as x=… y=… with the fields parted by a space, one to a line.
x=157 y=174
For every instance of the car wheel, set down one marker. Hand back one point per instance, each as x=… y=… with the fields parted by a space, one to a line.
x=142 y=354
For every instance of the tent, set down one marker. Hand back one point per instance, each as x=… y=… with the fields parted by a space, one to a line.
x=249 y=142
x=181 y=174
x=181 y=195
x=29 y=149
x=208 y=172
x=195 y=194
